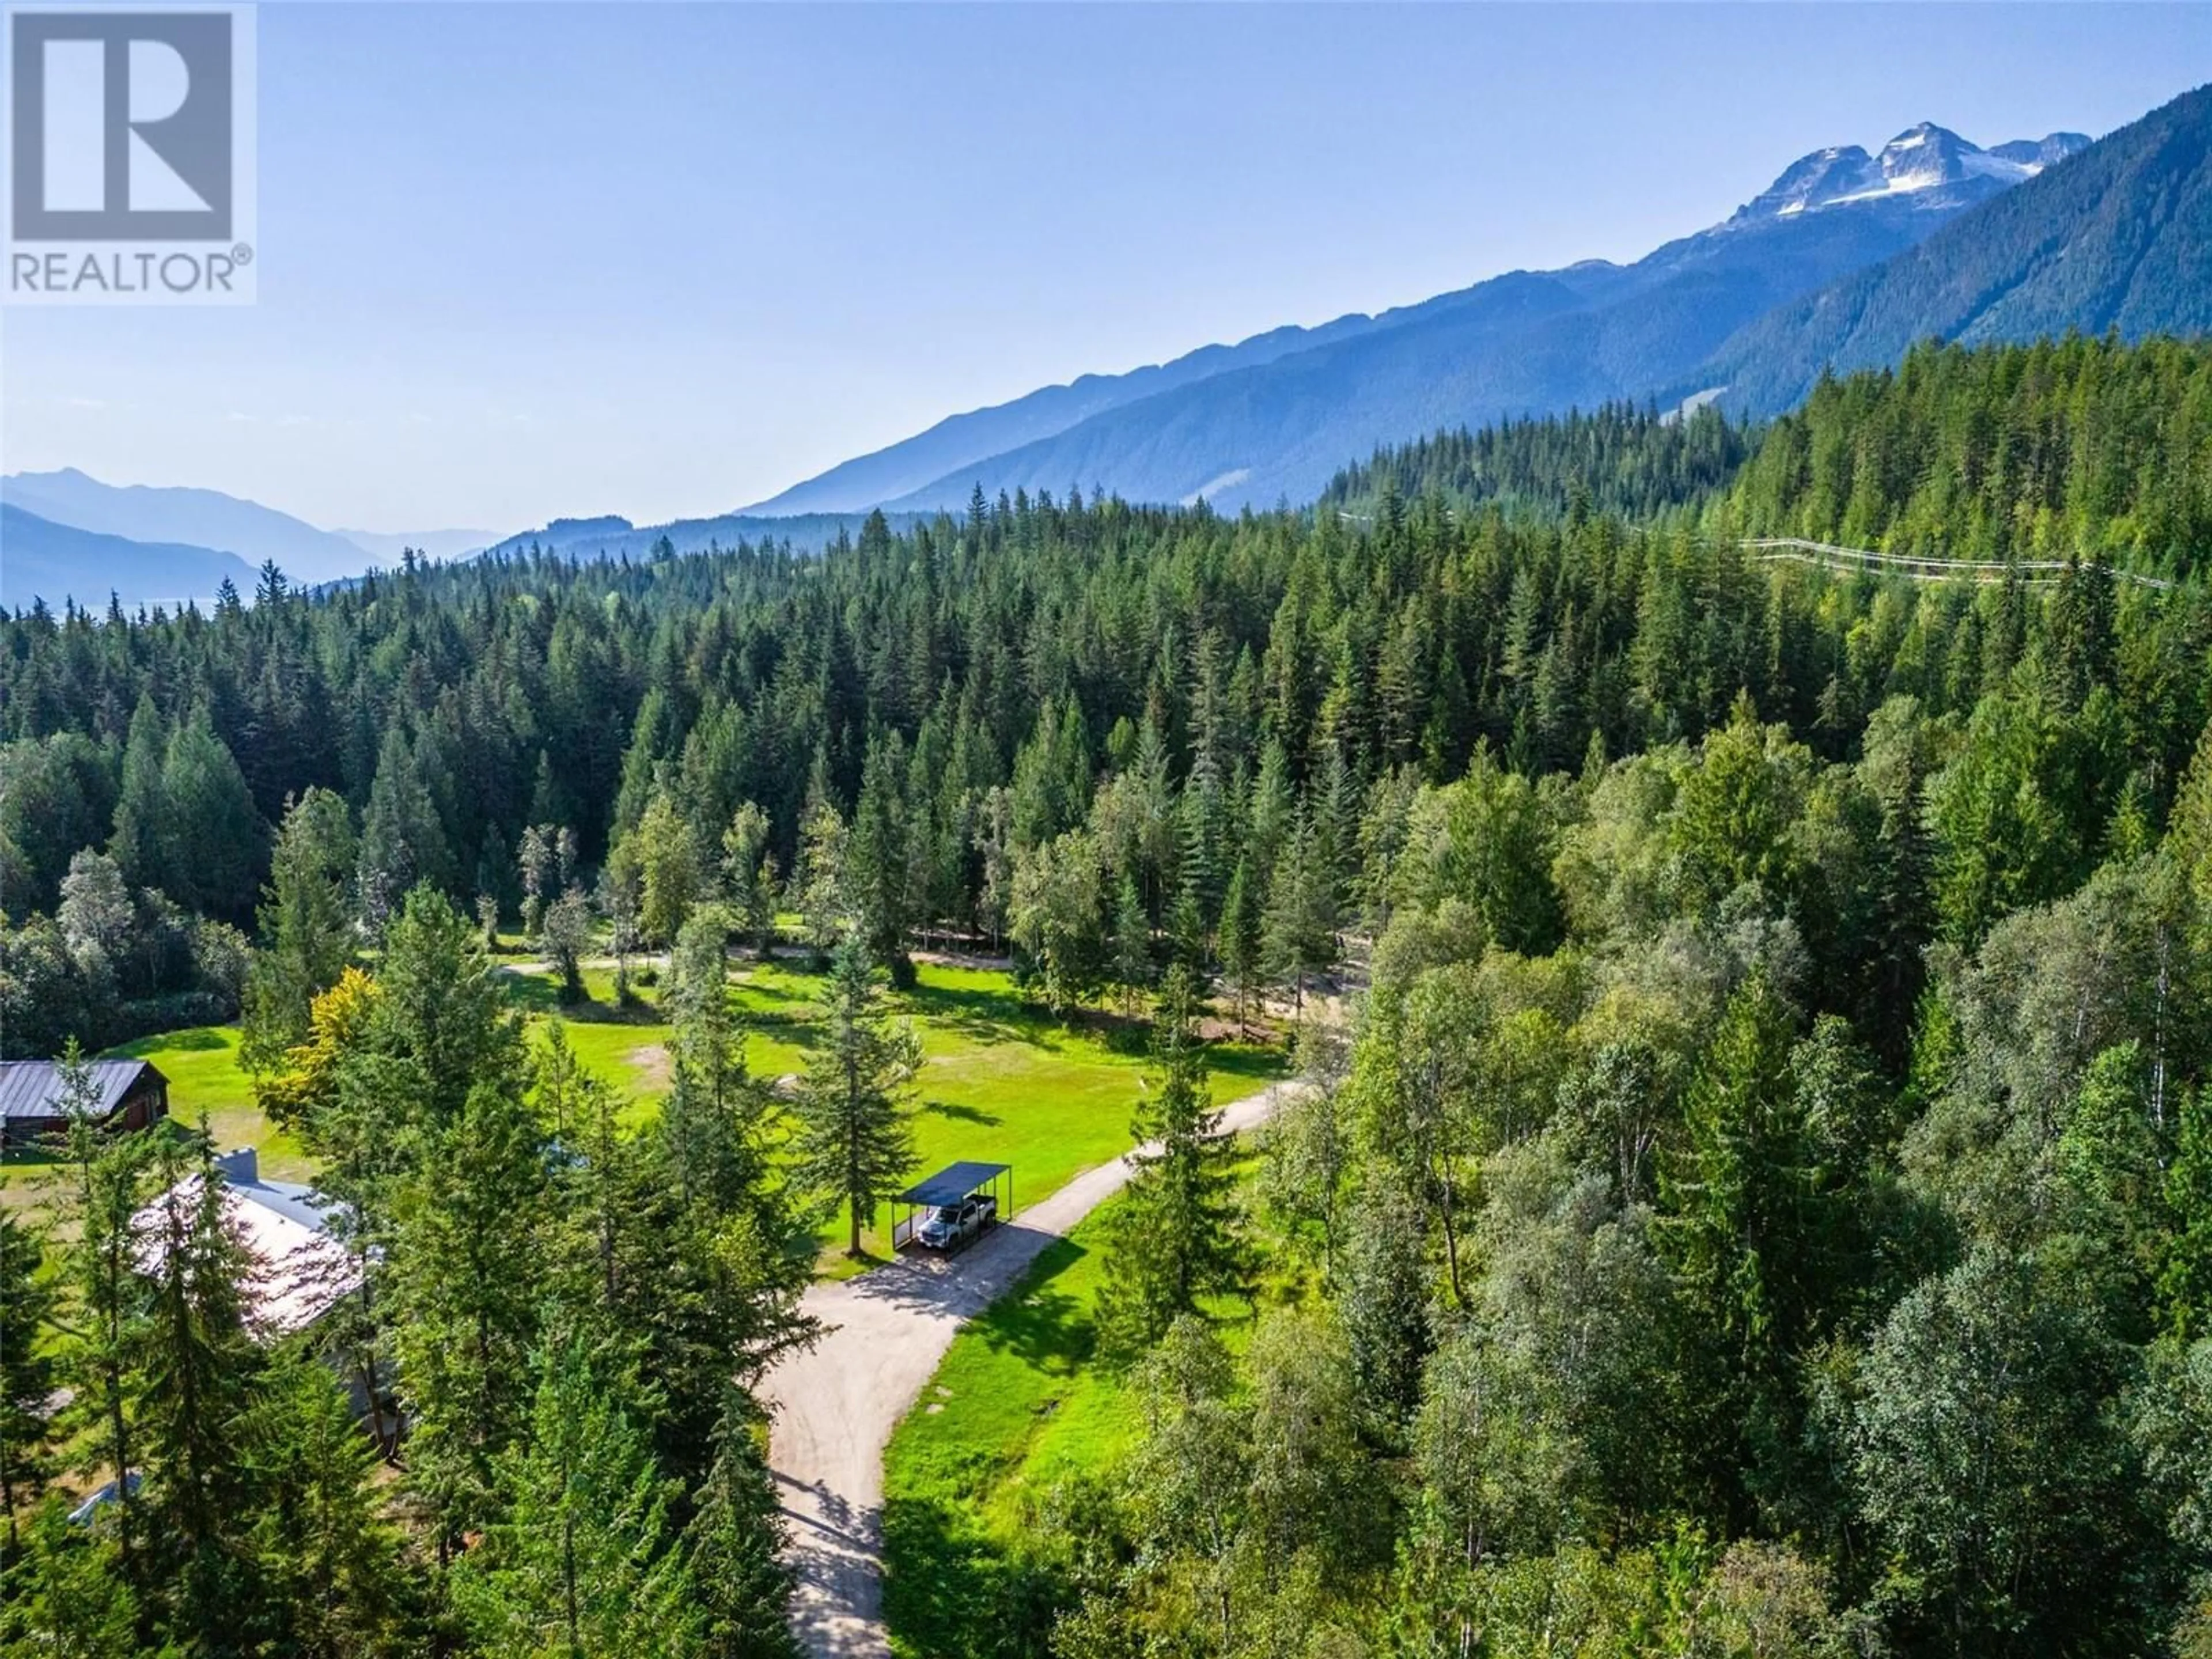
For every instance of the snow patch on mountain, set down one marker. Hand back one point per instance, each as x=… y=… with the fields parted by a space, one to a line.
x=1923 y=166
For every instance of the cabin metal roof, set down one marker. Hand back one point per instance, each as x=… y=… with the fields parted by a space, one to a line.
x=32 y=1088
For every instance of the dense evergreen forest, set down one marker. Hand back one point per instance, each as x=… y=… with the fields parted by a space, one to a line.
x=1761 y=1202
x=1630 y=462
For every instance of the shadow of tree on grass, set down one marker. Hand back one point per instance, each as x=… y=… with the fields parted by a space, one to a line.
x=965 y=1114
x=952 y=1592
x=1040 y=1324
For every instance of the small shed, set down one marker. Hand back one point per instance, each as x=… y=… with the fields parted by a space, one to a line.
x=128 y=1095
x=950 y=1187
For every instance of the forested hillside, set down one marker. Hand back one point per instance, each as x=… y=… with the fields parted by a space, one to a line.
x=2073 y=447
x=1761 y=1203
x=2081 y=447
x=1631 y=463
x=2119 y=237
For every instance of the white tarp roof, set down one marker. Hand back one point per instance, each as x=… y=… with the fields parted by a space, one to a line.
x=302 y=1268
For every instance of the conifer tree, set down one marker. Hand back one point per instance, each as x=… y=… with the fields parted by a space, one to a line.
x=1175 y=1235
x=463 y=1288
x=993 y=844
x=711 y=1256
x=583 y=1561
x=855 y=1141
x=877 y=853
x=67 y=1595
x=1298 y=936
x=401 y=840
x=441 y=1162
x=212 y=836
x=27 y=1368
x=1242 y=940
x=734 y=1545
x=1133 y=948
x=142 y=810
x=306 y=934
x=2185 y=1274
x=195 y=1369
x=109 y=1300
x=1739 y=1194
x=1203 y=830
x=332 y=1581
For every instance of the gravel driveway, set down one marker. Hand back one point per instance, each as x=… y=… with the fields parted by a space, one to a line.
x=835 y=1407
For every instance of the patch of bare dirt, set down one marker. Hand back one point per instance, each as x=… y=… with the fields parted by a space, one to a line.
x=651 y=1063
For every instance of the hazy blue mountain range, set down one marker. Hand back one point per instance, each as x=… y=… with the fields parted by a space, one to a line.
x=1277 y=416
x=42 y=560
x=866 y=480
x=68 y=534
x=189 y=524
x=2119 y=238
x=197 y=518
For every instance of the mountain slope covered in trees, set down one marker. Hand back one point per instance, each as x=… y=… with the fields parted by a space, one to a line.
x=2079 y=448
x=2120 y=238
x=1619 y=459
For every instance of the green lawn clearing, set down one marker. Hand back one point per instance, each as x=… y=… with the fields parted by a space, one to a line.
x=1001 y=1082
x=1016 y=1406
x=205 y=1080
x=1020 y=1407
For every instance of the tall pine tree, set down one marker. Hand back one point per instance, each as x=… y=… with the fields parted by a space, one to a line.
x=855 y=1140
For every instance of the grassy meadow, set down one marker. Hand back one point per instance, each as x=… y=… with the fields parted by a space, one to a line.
x=1020 y=1407
x=1000 y=1080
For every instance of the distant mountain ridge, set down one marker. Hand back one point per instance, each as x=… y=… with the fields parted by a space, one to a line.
x=209 y=518
x=2120 y=237
x=199 y=518
x=40 y=559
x=1931 y=168
x=1277 y=415
x=861 y=482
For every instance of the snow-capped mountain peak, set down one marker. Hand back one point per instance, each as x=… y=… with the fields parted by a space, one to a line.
x=1925 y=165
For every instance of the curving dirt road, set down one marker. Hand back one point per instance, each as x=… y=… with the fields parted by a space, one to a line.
x=834 y=1407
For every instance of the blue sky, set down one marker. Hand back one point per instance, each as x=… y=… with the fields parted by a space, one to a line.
x=518 y=261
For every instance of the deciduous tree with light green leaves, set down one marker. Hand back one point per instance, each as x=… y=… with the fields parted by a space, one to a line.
x=670 y=870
